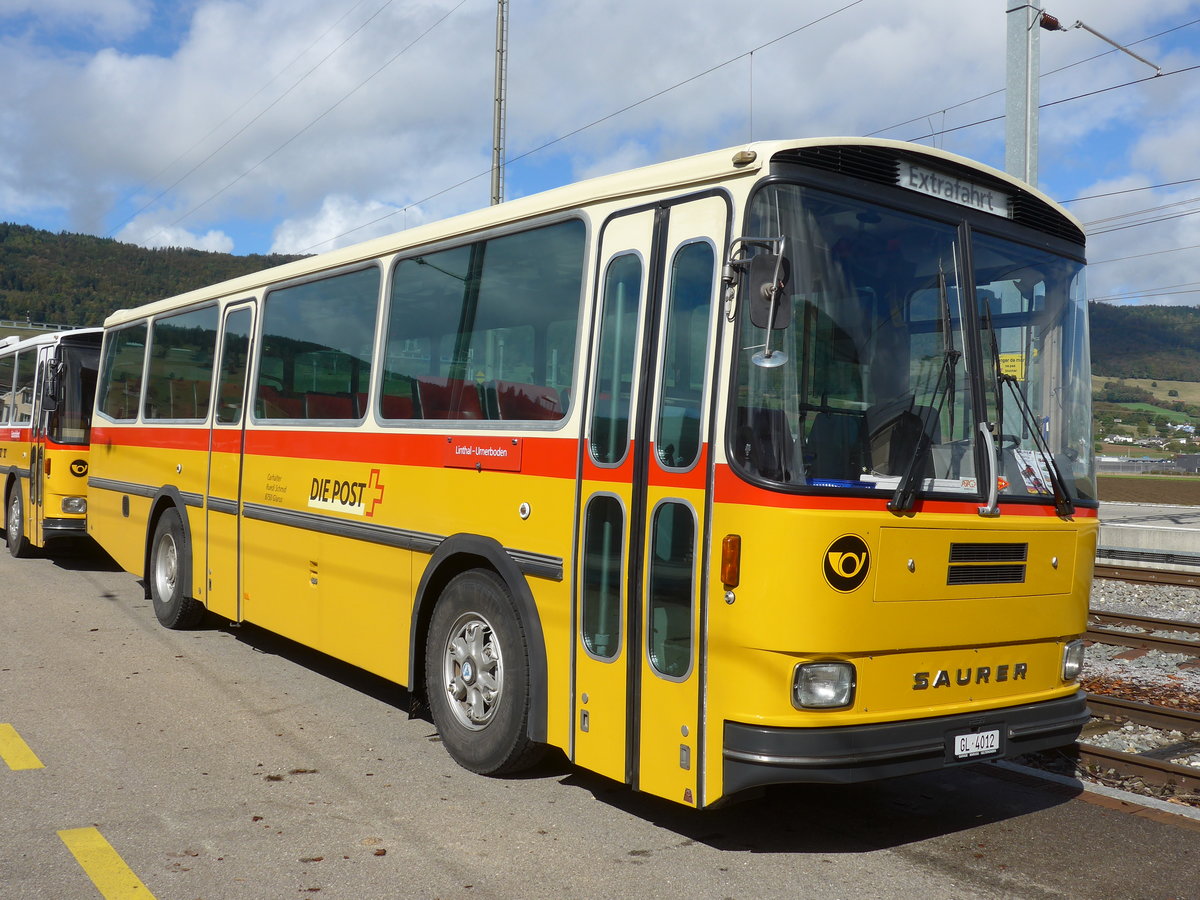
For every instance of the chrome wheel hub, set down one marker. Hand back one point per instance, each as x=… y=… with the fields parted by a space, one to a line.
x=473 y=671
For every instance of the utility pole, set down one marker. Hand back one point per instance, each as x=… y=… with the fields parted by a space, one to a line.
x=501 y=97
x=1021 y=92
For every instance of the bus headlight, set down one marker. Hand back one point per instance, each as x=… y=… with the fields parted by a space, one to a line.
x=1072 y=661
x=823 y=685
x=74 y=505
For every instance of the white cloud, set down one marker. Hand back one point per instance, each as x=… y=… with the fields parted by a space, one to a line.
x=203 y=102
x=148 y=234
x=110 y=19
x=340 y=221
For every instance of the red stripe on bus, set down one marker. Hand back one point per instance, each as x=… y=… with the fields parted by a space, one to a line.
x=730 y=488
x=551 y=457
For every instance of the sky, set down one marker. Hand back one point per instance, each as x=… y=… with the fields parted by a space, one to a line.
x=297 y=126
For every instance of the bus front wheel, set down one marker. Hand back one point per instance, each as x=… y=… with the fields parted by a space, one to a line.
x=14 y=526
x=477 y=675
x=169 y=575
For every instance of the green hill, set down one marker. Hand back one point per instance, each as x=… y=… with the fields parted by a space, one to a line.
x=1161 y=342
x=77 y=279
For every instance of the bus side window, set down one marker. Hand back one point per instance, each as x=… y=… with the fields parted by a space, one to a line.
x=22 y=407
x=8 y=369
x=685 y=356
x=611 y=394
x=182 y=351
x=121 y=380
x=318 y=348
x=235 y=354
x=671 y=588
x=486 y=331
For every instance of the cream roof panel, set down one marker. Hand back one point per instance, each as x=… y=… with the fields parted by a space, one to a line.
x=660 y=179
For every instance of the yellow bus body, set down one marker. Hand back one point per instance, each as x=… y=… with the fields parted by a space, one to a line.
x=44 y=459
x=344 y=535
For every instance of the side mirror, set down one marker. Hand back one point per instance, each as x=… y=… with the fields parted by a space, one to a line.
x=764 y=283
x=50 y=389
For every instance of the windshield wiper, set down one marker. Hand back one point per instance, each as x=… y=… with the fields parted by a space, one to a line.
x=906 y=490
x=1058 y=485
x=1063 y=504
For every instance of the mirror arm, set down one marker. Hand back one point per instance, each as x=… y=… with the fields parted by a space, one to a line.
x=993 y=508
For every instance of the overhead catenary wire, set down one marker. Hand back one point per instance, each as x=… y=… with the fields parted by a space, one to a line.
x=314 y=121
x=256 y=117
x=989 y=94
x=740 y=56
x=562 y=137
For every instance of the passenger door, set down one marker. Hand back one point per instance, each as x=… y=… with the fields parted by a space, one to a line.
x=226 y=445
x=641 y=554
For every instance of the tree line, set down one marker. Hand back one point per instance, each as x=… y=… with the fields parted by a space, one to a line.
x=79 y=279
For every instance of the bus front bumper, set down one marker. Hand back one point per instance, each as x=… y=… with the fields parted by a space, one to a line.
x=755 y=755
x=56 y=528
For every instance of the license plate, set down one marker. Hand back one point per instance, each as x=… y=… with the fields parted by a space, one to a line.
x=977 y=743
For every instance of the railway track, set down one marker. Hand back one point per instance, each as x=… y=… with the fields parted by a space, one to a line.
x=1140 y=575
x=1152 y=766
x=1178 y=731
x=1127 y=630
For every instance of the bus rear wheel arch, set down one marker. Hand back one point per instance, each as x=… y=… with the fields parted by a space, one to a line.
x=169 y=574
x=477 y=675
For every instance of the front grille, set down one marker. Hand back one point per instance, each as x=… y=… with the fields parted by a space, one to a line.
x=988 y=552
x=987 y=562
x=982 y=574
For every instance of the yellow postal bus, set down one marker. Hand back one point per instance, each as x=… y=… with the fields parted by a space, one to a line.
x=768 y=465
x=47 y=388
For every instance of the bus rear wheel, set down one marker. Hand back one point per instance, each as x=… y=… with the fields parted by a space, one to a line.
x=14 y=526
x=477 y=676
x=169 y=575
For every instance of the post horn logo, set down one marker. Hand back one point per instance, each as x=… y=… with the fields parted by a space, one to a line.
x=79 y=467
x=847 y=562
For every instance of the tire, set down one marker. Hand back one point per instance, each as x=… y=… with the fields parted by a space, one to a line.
x=170 y=575
x=477 y=676
x=14 y=526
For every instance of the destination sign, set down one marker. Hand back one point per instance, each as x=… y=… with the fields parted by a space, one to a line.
x=956 y=190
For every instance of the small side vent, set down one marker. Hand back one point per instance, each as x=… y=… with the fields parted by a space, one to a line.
x=988 y=552
x=986 y=575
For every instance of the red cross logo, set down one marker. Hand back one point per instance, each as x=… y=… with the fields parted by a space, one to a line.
x=373 y=484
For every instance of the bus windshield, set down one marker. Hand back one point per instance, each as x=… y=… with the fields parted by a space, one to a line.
x=893 y=355
x=71 y=422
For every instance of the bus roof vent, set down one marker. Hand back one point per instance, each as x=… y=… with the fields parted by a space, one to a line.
x=868 y=163
x=1029 y=210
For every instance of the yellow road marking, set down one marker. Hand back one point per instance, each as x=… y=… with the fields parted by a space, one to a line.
x=15 y=751
x=112 y=878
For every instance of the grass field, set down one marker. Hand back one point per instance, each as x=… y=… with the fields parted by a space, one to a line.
x=1183 y=490
x=1189 y=391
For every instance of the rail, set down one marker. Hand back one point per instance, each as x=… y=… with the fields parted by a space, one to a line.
x=1143 y=632
x=1145 y=574
x=1149 y=765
